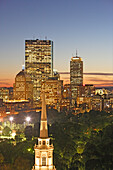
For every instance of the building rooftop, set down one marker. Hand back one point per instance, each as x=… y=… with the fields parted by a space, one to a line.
x=76 y=58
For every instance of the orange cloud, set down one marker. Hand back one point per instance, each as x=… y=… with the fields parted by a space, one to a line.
x=98 y=79
x=6 y=82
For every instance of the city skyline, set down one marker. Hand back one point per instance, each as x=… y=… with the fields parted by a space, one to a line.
x=85 y=26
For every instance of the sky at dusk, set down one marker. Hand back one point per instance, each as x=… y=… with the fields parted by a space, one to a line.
x=85 y=25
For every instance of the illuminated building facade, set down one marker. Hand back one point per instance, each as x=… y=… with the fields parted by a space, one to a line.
x=4 y=93
x=76 y=75
x=87 y=90
x=14 y=106
x=23 y=87
x=53 y=91
x=97 y=103
x=38 y=63
x=66 y=97
x=67 y=91
x=83 y=104
x=44 y=150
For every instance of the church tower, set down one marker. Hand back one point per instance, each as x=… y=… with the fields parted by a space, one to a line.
x=44 y=150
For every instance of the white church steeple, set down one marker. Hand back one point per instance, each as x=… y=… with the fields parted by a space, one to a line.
x=44 y=150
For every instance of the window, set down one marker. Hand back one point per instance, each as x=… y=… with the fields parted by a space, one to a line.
x=43 y=142
x=43 y=161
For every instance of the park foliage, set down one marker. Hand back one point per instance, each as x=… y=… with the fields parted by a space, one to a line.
x=83 y=141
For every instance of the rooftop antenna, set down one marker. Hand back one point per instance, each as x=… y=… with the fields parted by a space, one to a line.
x=76 y=53
x=45 y=37
x=23 y=65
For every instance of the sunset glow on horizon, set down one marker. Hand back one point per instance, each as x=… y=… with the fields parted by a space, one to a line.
x=96 y=80
x=82 y=25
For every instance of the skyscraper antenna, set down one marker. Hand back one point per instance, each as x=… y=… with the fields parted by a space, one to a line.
x=76 y=53
x=23 y=66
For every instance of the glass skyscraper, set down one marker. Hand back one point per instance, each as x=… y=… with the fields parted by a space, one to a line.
x=38 y=63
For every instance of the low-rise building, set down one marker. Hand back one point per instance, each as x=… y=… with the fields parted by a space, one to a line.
x=4 y=93
x=97 y=103
x=23 y=87
x=53 y=91
x=86 y=90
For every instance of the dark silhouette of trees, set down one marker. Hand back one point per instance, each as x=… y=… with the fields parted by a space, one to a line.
x=81 y=142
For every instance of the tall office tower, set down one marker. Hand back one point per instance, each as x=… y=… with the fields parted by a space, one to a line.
x=23 y=87
x=76 y=76
x=38 y=63
x=44 y=150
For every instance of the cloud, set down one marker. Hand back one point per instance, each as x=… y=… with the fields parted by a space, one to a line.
x=103 y=74
x=108 y=84
x=98 y=79
x=4 y=83
x=4 y=80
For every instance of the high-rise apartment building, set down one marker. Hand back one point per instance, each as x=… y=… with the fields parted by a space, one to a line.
x=76 y=75
x=38 y=63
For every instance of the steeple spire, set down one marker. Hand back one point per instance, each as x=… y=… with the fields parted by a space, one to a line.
x=43 y=125
x=44 y=150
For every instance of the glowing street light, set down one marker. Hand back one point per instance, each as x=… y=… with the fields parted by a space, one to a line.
x=11 y=119
x=13 y=134
x=28 y=119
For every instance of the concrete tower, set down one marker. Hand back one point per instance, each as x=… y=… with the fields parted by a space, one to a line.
x=44 y=150
x=76 y=75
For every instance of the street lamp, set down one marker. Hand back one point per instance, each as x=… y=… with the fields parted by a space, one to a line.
x=11 y=119
x=28 y=119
